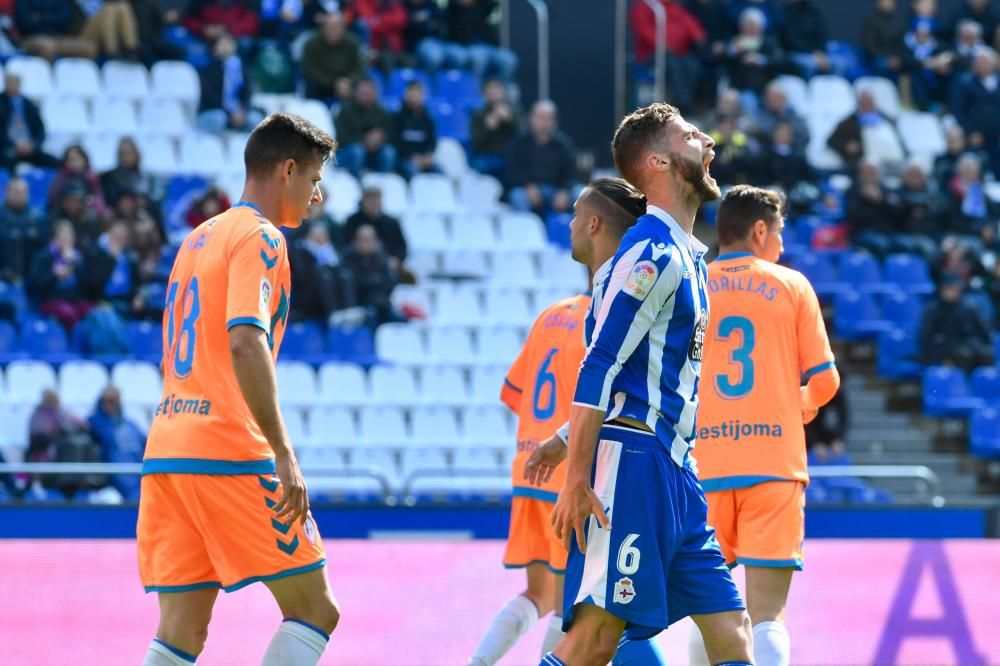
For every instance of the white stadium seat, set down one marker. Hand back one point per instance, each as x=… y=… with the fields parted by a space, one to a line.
x=831 y=95
x=314 y=111
x=296 y=383
x=343 y=193
x=115 y=116
x=443 y=386
x=883 y=90
x=126 y=80
x=489 y=426
x=559 y=270
x=487 y=382
x=82 y=382
x=423 y=262
x=508 y=307
x=176 y=79
x=163 y=117
x=268 y=102
x=332 y=427
x=922 y=133
x=65 y=115
x=796 y=91
x=436 y=426
x=473 y=232
x=545 y=297
x=515 y=269
x=434 y=193
x=395 y=197
x=399 y=343
x=342 y=384
x=138 y=381
x=139 y=415
x=35 y=73
x=383 y=427
x=450 y=346
x=159 y=156
x=422 y=459
x=465 y=263
x=77 y=76
x=234 y=143
x=522 y=231
x=425 y=231
x=393 y=385
x=102 y=150
x=474 y=458
x=411 y=295
x=458 y=304
x=498 y=346
x=478 y=193
x=295 y=424
x=378 y=461
x=450 y=157
x=27 y=379
x=818 y=153
x=14 y=421
x=202 y=154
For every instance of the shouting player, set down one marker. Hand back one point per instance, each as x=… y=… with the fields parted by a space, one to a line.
x=766 y=336
x=539 y=389
x=649 y=558
x=223 y=501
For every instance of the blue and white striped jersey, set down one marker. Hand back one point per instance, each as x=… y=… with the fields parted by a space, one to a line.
x=645 y=332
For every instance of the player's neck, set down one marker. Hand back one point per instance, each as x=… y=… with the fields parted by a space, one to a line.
x=682 y=211
x=735 y=248
x=264 y=200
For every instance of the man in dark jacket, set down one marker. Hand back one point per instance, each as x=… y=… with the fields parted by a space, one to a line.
x=121 y=439
x=540 y=164
x=363 y=130
x=804 y=37
x=414 y=134
x=493 y=126
x=983 y=12
x=976 y=104
x=23 y=232
x=777 y=110
x=332 y=61
x=883 y=39
x=387 y=228
x=871 y=211
x=954 y=333
x=22 y=131
x=847 y=139
x=319 y=281
x=753 y=56
x=48 y=29
x=372 y=276
x=225 y=92
x=112 y=269
x=469 y=25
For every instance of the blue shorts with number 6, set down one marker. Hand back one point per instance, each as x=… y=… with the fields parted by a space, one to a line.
x=660 y=562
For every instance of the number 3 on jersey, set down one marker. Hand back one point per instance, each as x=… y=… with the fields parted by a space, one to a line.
x=725 y=387
x=183 y=353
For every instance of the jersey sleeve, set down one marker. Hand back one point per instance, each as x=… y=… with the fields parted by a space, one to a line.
x=639 y=286
x=256 y=264
x=815 y=355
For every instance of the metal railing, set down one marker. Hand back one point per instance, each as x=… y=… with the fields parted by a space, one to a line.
x=542 y=20
x=925 y=476
x=660 y=57
x=621 y=58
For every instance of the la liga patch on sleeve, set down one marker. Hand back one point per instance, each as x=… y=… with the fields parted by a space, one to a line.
x=641 y=280
x=265 y=300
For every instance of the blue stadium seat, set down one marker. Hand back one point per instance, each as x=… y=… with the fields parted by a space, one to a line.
x=180 y=188
x=14 y=294
x=984 y=433
x=861 y=271
x=452 y=121
x=39 y=181
x=303 y=341
x=981 y=302
x=857 y=317
x=908 y=273
x=45 y=340
x=400 y=78
x=10 y=347
x=822 y=274
x=145 y=339
x=903 y=310
x=897 y=354
x=947 y=394
x=355 y=344
x=985 y=384
x=4 y=179
x=458 y=87
x=375 y=74
x=557 y=226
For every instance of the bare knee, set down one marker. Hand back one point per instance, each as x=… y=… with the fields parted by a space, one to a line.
x=185 y=633
x=728 y=637
x=323 y=613
x=543 y=600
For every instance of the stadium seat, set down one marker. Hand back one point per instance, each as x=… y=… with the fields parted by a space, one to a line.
x=443 y=386
x=420 y=462
x=392 y=385
x=10 y=346
x=65 y=115
x=458 y=305
x=861 y=271
x=35 y=73
x=465 y=264
x=114 y=116
x=521 y=231
x=399 y=343
x=303 y=341
x=557 y=229
x=332 y=427
x=897 y=354
x=138 y=381
x=984 y=434
x=908 y=273
x=14 y=420
x=383 y=427
x=268 y=102
x=819 y=154
x=82 y=382
x=947 y=394
x=175 y=79
x=380 y=462
x=395 y=196
x=981 y=302
x=423 y=262
x=458 y=87
x=903 y=310
x=46 y=340
x=412 y=296
x=487 y=381
x=452 y=120
x=472 y=232
x=498 y=346
x=39 y=182
x=883 y=90
x=487 y=426
x=435 y=426
x=450 y=157
x=400 y=78
x=163 y=117
x=921 y=133
x=342 y=383
x=295 y=423
x=202 y=154
x=432 y=193
x=450 y=346
x=516 y=269
x=159 y=157
x=831 y=96
x=343 y=193
x=125 y=80
x=560 y=270
x=426 y=231
x=796 y=91
x=985 y=383
x=78 y=77
x=27 y=379
x=314 y=111
x=102 y=149
x=355 y=344
x=820 y=271
x=139 y=415
x=509 y=307
x=479 y=193
x=296 y=383
x=857 y=317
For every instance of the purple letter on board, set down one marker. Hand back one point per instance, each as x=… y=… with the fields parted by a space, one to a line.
x=951 y=626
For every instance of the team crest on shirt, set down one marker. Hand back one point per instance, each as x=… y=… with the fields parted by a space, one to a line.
x=309 y=527
x=624 y=591
x=265 y=298
x=698 y=339
x=641 y=280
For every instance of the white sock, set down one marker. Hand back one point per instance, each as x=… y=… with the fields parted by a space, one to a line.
x=553 y=634
x=295 y=644
x=161 y=654
x=513 y=621
x=771 y=644
x=697 y=655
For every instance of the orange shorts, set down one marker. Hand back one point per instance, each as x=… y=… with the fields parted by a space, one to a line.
x=197 y=531
x=762 y=525
x=532 y=539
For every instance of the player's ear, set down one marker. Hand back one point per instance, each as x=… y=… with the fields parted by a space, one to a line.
x=760 y=231
x=594 y=225
x=288 y=169
x=657 y=162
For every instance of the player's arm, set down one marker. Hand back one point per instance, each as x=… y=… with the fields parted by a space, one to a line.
x=817 y=365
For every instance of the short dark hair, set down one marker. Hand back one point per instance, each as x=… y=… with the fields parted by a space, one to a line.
x=742 y=206
x=618 y=203
x=284 y=136
x=636 y=133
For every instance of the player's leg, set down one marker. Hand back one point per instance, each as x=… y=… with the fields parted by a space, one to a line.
x=722 y=518
x=767 y=592
x=310 y=615
x=727 y=637
x=183 y=629
x=638 y=653
x=554 y=632
x=516 y=617
x=592 y=639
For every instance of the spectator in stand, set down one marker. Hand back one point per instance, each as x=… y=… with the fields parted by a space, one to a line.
x=921 y=215
x=945 y=164
x=57 y=281
x=427 y=37
x=684 y=37
x=883 y=37
x=207 y=206
x=23 y=232
x=871 y=210
x=74 y=208
x=111 y=26
x=332 y=61
x=363 y=130
x=541 y=166
x=225 y=92
x=48 y=29
x=729 y=104
x=968 y=41
x=752 y=57
x=385 y=23
x=954 y=333
x=112 y=269
x=960 y=259
x=804 y=37
x=47 y=423
x=783 y=162
x=127 y=177
x=970 y=208
x=387 y=228
x=75 y=171
x=983 y=12
x=775 y=111
x=768 y=8
x=372 y=276
x=211 y=19
x=928 y=61
x=866 y=133
x=469 y=25
x=827 y=432
x=318 y=280
x=155 y=18
x=494 y=126
x=975 y=102
x=147 y=242
x=737 y=155
x=719 y=30
x=22 y=131
x=414 y=134
x=121 y=439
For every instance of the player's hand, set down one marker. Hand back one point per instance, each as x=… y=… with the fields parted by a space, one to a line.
x=577 y=501
x=543 y=461
x=294 y=502
x=808 y=415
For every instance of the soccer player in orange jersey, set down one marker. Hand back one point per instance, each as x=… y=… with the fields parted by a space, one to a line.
x=223 y=502
x=539 y=388
x=766 y=337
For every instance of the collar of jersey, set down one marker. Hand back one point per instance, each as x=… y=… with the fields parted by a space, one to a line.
x=247 y=204
x=733 y=255
x=695 y=246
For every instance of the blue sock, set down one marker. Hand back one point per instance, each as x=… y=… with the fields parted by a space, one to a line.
x=638 y=653
x=551 y=660
x=734 y=663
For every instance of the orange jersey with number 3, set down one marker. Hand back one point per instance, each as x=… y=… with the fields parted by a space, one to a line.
x=232 y=270
x=540 y=384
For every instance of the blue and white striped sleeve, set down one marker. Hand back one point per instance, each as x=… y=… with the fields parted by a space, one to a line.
x=641 y=283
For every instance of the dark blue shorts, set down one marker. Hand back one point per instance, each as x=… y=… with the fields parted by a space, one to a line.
x=660 y=562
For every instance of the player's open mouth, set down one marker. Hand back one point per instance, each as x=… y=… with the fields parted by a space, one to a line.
x=708 y=162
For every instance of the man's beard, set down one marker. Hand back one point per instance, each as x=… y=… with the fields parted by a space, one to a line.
x=694 y=174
